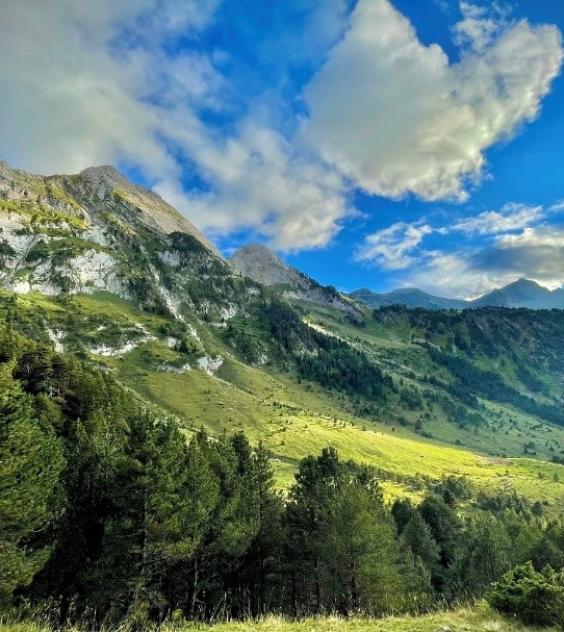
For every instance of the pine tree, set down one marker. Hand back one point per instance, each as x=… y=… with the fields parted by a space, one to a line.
x=417 y=536
x=31 y=461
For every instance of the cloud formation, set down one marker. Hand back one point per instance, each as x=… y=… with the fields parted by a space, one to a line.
x=491 y=249
x=398 y=117
x=392 y=247
x=87 y=83
x=96 y=82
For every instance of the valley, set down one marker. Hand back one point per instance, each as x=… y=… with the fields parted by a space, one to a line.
x=234 y=400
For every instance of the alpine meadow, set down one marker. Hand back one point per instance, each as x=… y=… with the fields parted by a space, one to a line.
x=293 y=359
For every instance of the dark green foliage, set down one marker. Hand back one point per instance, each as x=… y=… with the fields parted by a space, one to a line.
x=482 y=558
x=534 y=597
x=6 y=252
x=289 y=341
x=520 y=346
x=446 y=530
x=108 y=510
x=470 y=380
x=30 y=464
x=341 y=550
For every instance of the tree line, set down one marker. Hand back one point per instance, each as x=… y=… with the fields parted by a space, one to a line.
x=110 y=511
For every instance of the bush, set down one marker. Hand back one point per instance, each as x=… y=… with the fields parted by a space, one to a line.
x=534 y=598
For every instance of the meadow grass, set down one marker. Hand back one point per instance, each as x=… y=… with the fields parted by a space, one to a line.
x=296 y=419
x=478 y=619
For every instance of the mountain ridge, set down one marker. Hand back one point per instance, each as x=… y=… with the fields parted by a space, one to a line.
x=193 y=332
x=262 y=265
x=521 y=293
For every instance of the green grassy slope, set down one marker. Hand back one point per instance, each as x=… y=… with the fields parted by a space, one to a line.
x=399 y=347
x=292 y=417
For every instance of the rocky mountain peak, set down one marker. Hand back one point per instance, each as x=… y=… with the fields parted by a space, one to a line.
x=104 y=174
x=260 y=264
x=263 y=266
x=97 y=231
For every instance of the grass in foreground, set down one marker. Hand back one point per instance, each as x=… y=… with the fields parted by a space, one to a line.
x=480 y=619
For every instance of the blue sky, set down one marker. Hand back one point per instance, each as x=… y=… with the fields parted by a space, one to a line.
x=373 y=143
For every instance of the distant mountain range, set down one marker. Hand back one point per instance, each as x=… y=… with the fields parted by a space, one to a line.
x=262 y=265
x=521 y=293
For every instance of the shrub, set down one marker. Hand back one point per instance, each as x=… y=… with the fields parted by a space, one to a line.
x=535 y=598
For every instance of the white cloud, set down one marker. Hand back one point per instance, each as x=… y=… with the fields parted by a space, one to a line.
x=535 y=253
x=511 y=217
x=397 y=117
x=477 y=29
x=392 y=247
x=450 y=274
x=258 y=181
x=86 y=83
x=488 y=250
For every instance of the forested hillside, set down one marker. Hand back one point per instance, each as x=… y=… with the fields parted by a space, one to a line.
x=179 y=441
x=109 y=510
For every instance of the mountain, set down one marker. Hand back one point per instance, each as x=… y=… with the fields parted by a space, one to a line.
x=521 y=293
x=95 y=231
x=410 y=297
x=262 y=265
x=259 y=263
x=99 y=271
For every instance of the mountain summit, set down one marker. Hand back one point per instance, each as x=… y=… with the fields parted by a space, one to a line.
x=262 y=265
x=97 y=231
x=521 y=293
x=91 y=188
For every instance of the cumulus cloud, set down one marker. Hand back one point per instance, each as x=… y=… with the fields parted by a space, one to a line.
x=259 y=181
x=536 y=253
x=490 y=249
x=392 y=247
x=398 y=117
x=477 y=29
x=511 y=217
x=86 y=83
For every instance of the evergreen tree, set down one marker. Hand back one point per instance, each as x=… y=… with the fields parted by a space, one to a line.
x=445 y=528
x=417 y=536
x=31 y=461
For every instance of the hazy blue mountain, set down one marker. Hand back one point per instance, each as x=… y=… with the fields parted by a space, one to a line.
x=521 y=293
x=410 y=296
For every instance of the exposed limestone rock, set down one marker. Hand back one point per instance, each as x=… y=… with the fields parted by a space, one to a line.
x=210 y=364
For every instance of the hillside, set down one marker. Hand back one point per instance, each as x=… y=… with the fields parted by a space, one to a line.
x=172 y=320
x=181 y=441
x=263 y=266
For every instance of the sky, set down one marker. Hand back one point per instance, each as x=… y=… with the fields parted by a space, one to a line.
x=371 y=143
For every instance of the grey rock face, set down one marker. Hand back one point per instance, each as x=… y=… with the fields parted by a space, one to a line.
x=97 y=231
x=263 y=266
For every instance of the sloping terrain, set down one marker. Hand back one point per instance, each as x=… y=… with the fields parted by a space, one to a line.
x=261 y=265
x=98 y=268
